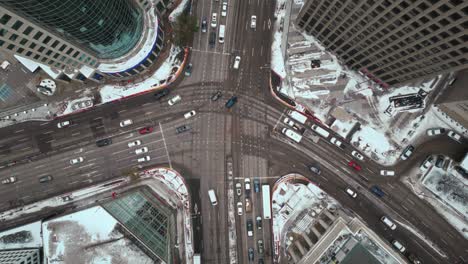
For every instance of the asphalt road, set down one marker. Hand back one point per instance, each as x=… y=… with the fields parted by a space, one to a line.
x=248 y=132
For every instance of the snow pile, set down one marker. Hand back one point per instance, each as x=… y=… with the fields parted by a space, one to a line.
x=66 y=237
x=81 y=103
x=165 y=74
x=178 y=10
x=27 y=236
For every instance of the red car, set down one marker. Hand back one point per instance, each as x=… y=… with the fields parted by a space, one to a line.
x=145 y=130
x=354 y=165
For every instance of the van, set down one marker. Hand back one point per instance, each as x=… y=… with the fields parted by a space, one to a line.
x=212 y=195
x=297 y=116
x=221 y=34
x=388 y=222
x=45 y=179
x=237 y=62
x=377 y=191
x=396 y=244
x=174 y=100
x=292 y=135
x=322 y=132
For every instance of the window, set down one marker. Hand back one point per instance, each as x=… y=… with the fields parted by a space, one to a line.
x=48 y=52
x=76 y=54
x=23 y=41
x=46 y=40
x=32 y=46
x=36 y=57
x=17 y=25
x=13 y=37
x=27 y=30
x=41 y=49
x=63 y=47
x=28 y=53
x=55 y=44
x=38 y=35
x=5 y=18
x=11 y=47
x=20 y=50
x=3 y=32
x=70 y=50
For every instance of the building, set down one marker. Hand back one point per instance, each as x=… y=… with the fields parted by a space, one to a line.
x=391 y=42
x=20 y=256
x=82 y=39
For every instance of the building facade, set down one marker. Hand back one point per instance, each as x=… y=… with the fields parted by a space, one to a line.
x=391 y=42
x=20 y=256
x=76 y=37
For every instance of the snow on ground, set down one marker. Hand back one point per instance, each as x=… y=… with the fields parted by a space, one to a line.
x=77 y=104
x=178 y=10
x=26 y=236
x=161 y=76
x=343 y=128
x=78 y=237
x=277 y=60
x=369 y=141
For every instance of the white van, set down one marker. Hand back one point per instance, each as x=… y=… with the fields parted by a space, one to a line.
x=297 y=116
x=388 y=222
x=237 y=62
x=221 y=33
x=212 y=195
x=398 y=246
x=291 y=134
x=320 y=131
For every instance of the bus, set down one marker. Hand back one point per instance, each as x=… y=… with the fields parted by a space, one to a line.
x=221 y=33
x=266 y=201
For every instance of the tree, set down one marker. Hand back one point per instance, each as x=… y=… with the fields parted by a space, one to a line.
x=184 y=28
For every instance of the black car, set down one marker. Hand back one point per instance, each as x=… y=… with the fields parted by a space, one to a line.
x=212 y=40
x=188 y=70
x=377 y=191
x=251 y=254
x=260 y=261
x=231 y=102
x=256 y=185
x=161 y=94
x=216 y=96
x=104 y=142
x=259 y=222
x=182 y=129
x=204 y=25
x=440 y=161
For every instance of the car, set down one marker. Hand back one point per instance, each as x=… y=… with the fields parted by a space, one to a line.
x=426 y=164
x=76 y=160
x=288 y=122
x=387 y=173
x=126 y=122
x=407 y=152
x=182 y=129
x=46 y=178
x=377 y=191
x=231 y=102
x=237 y=60
x=435 y=131
x=414 y=259
x=161 y=94
x=141 y=150
x=134 y=143
x=224 y=9
x=9 y=180
x=145 y=130
x=258 y=221
x=253 y=22
x=351 y=192
x=212 y=39
x=440 y=161
x=315 y=169
x=260 y=261
x=214 y=20
x=357 y=155
x=256 y=185
x=190 y=114
x=239 y=208
x=248 y=205
x=388 y=222
x=260 y=246
x=396 y=244
x=64 y=124
x=174 y=100
x=104 y=142
x=247 y=185
x=188 y=69
x=216 y=96
x=454 y=136
x=204 y=25
x=249 y=228
x=354 y=165
x=239 y=189
x=251 y=254
x=336 y=142
x=144 y=159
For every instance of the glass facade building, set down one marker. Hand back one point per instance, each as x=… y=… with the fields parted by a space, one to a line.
x=107 y=29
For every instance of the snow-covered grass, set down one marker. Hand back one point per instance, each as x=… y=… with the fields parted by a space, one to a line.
x=178 y=10
x=26 y=236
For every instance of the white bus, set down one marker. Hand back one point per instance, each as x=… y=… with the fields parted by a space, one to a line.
x=266 y=201
x=221 y=33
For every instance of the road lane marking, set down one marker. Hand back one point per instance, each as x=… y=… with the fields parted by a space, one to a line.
x=75 y=134
x=39 y=166
x=165 y=146
x=23 y=139
x=96 y=118
x=405 y=208
x=50 y=141
x=43 y=124
x=121 y=111
x=19 y=131
x=48 y=132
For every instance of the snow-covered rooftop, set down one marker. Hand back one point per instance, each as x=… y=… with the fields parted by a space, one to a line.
x=26 y=236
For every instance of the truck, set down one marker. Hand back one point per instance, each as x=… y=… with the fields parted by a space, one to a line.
x=291 y=134
x=297 y=116
x=322 y=132
x=266 y=201
x=196 y=259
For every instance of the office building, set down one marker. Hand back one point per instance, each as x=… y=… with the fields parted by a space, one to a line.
x=20 y=256
x=391 y=42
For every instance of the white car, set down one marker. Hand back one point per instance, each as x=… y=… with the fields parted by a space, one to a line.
x=336 y=142
x=288 y=122
x=237 y=62
x=144 y=159
x=224 y=9
x=396 y=244
x=126 y=122
x=141 y=150
x=76 y=160
x=253 y=22
x=134 y=143
x=174 y=100
x=214 y=20
x=190 y=114
x=247 y=184
x=351 y=192
x=239 y=189
x=387 y=173
x=357 y=155
x=435 y=131
x=427 y=163
x=454 y=136
x=64 y=124
x=9 y=180
x=240 y=210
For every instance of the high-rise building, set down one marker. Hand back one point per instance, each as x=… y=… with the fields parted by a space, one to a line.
x=392 y=41
x=20 y=256
x=90 y=36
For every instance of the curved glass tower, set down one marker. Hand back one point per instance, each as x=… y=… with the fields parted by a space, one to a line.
x=108 y=29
